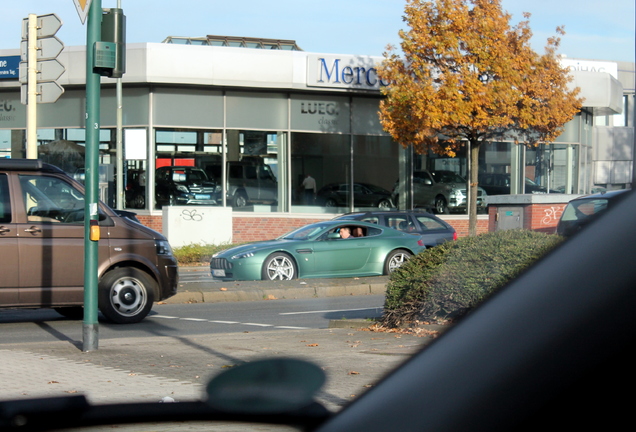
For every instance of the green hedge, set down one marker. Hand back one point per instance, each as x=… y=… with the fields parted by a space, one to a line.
x=447 y=281
x=195 y=254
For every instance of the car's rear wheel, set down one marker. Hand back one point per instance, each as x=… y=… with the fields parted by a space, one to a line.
x=126 y=295
x=279 y=266
x=395 y=259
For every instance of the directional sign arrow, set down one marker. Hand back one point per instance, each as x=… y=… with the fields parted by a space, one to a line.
x=48 y=70
x=47 y=24
x=49 y=92
x=48 y=48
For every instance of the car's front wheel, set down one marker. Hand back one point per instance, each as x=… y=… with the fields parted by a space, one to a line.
x=384 y=204
x=240 y=200
x=279 y=266
x=331 y=203
x=395 y=259
x=126 y=295
x=441 y=207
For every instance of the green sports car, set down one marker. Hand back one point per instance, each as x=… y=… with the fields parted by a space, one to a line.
x=337 y=248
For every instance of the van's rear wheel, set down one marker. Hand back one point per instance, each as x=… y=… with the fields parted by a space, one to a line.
x=126 y=295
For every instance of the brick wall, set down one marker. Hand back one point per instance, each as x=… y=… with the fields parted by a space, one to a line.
x=543 y=217
x=253 y=227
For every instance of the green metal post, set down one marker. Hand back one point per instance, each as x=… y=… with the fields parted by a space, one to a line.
x=93 y=34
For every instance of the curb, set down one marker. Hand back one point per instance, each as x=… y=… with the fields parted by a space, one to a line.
x=204 y=294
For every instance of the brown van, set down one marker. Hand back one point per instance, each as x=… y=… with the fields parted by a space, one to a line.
x=42 y=248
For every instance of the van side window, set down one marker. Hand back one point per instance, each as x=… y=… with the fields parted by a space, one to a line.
x=250 y=172
x=52 y=200
x=5 y=202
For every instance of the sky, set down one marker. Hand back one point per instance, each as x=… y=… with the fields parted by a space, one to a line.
x=594 y=29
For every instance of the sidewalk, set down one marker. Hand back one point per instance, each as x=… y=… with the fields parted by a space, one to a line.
x=175 y=366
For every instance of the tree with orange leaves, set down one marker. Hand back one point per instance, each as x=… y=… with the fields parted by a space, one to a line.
x=468 y=77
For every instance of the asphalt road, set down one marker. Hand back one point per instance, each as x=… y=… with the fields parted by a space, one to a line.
x=195 y=319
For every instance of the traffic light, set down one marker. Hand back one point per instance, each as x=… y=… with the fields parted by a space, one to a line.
x=110 y=52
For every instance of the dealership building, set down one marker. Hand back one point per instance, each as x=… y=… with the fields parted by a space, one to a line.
x=264 y=114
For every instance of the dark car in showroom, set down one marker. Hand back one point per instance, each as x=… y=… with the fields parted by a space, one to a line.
x=581 y=211
x=364 y=195
x=499 y=184
x=433 y=230
x=183 y=185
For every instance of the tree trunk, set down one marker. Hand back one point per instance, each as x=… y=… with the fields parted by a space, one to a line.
x=472 y=181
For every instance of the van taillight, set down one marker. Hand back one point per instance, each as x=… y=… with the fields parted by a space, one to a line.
x=455 y=235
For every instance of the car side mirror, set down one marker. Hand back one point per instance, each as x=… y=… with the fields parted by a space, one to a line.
x=333 y=235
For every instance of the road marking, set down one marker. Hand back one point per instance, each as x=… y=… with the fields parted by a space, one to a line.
x=231 y=322
x=328 y=311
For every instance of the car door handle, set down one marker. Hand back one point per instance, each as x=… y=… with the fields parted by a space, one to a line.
x=4 y=230
x=33 y=230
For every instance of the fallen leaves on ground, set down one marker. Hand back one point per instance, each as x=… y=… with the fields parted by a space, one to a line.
x=415 y=330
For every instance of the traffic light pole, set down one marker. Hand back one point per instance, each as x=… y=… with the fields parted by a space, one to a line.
x=90 y=328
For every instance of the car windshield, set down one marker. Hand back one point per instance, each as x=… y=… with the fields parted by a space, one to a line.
x=447 y=177
x=583 y=209
x=305 y=233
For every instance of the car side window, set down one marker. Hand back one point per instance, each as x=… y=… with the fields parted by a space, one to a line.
x=5 y=202
x=51 y=200
x=371 y=219
x=400 y=223
x=373 y=232
x=429 y=223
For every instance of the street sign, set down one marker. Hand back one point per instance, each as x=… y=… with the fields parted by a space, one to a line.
x=47 y=92
x=48 y=70
x=39 y=67
x=47 y=25
x=48 y=48
x=82 y=6
x=9 y=66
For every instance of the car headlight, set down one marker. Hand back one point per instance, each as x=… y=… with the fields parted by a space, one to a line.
x=182 y=188
x=457 y=193
x=243 y=255
x=163 y=247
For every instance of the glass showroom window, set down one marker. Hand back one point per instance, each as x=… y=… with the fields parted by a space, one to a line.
x=325 y=158
x=252 y=169
x=185 y=163
x=375 y=171
x=66 y=149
